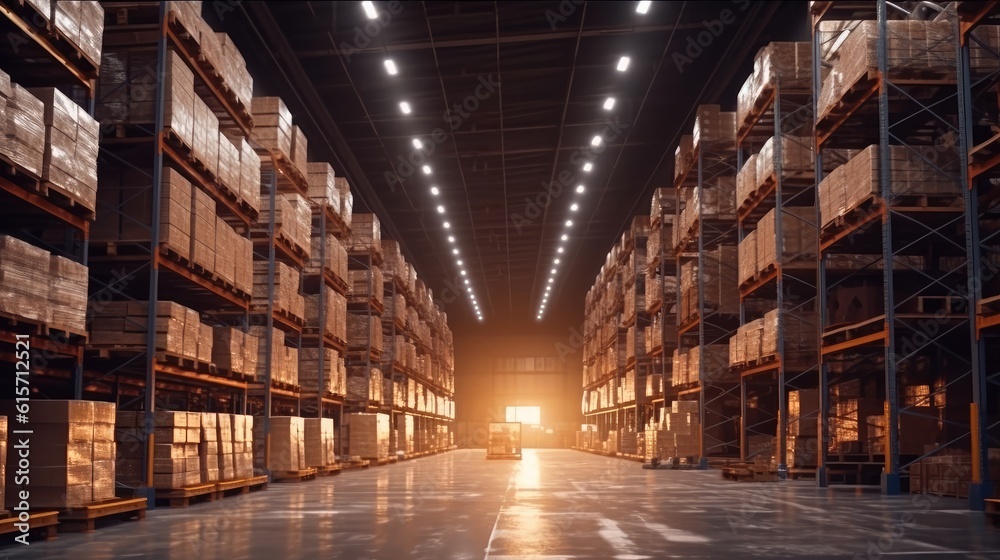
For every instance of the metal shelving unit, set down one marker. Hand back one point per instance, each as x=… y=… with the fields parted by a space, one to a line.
x=790 y=285
x=919 y=336
x=711 y=161
x=661 y=267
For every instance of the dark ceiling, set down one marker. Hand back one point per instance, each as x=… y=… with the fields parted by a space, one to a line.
x=532 y=77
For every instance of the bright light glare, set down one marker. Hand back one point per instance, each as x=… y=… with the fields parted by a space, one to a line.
x=440 y=209
x=559 y=250
x=404 y=107
x=623 y=63
x=369 y=10
x=451 y=238
x=564 y=237
x=579 y=189
x=588 y=166
x=569 y=223
x=426 y=169
x=574 y=208
x=463 y=273
x=447 y=225
x=454 y=251
x=643 y=6
x=418 y=144
x=595 y=141
x=390 y=67
x=609 y=103
x=435 y=191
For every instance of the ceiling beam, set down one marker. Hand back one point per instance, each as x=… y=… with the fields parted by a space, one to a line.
x=506 y=40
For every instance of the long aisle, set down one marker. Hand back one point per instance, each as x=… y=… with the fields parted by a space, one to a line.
x=553 y=504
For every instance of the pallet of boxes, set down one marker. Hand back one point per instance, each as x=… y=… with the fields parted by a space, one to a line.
x=282 y=453
x=72 y=469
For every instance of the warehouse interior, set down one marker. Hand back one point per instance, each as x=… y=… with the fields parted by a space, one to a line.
x=504 y=279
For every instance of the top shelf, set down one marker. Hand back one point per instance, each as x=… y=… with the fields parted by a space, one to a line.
x=139 y=25
x=30 y=41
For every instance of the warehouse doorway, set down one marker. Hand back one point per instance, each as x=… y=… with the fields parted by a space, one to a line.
x=533 y=433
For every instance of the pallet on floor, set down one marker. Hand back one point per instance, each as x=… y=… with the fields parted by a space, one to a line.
x=43 y=523
x=293 y=476
x=240 y=486
x=328 y=470
x=186 y=495
x=349 y=465
x=84 y=519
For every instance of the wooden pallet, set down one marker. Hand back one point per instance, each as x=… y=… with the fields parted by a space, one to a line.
x=293 y=476
x=185 y=496
x=240 y=486
x=328 y=470
x=41 y=523
x=84 y=519
x=350 y=465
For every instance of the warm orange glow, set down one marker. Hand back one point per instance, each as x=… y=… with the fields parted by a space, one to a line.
x=529 y=415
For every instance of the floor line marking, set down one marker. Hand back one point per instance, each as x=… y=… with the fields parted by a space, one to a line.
x=493 y=533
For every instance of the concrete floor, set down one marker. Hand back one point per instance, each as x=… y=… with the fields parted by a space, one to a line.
x=553 y=504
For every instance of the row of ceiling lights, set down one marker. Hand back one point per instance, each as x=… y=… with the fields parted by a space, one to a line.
x=596 y=141
x=404 y=107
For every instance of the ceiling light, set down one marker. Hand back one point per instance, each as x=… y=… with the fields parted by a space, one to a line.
x=569 y=223
x=440 y=209
x=369 y=10
x=609 y=103
x=556 y=261
x=595 y=141
x=451 y=238
x=418 y=144
x=454 y=251
x=559 y=250
x=548 y=288
x=579 y=189
x=435 y=191
x=467 y=283
x=459 y=262
x=564 y=237
x=426 y=169
x=623 y=63
x=390 y=67
x=447 y=225
x=643 y=6
x=551 y=280
x=588 y=166
x=463 y=273
x=553 y=271
x=404 y=107
x=574 y=207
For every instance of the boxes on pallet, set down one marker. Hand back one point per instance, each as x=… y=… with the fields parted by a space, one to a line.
x=712 y=363
x=798 y=238
x=74 y=449
x=364 y=332
x=331 y=256
x=286 y=296
x=82 y=24
x=272 y=125
x=26 y=268
x=300 y=151
x=753 y=339
x=323 y=186
x=368 y=435
x=226 y=431
x=746 y=180
x=319 y=443
x=291 y=375
x=287 y=443
x=748 y=266
x=277 y=353
x=208 y=448
x=797 y=159
x=924 y=48
x=798 y=335
x=346 y=201
x=784 y=64
x=23 y=141
x=365 y=234
x=367 y=285
x=714 y=128
x=71 y=136
x=682 y=155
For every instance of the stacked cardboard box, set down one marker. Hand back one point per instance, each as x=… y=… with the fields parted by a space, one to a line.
x=292 y=220
x=287 y=298
x=333 y=260
x=346 y=201
x=335 y=317
x=798 y=333
x=393 y=264
x=124 y=324
x=319 y=442
x=713 y=359
x=366 y=234
x=367 y=285
x=229 y=63
x=226 y=428
x=786 y=64
x=243 y=445
x=334 y=376
x=300 y=151
x=74 y=463
x=129 y=436
x=82 y=24
x=323 y=186
x=23 y=122
x=28 y=282
x=273 y=125
x=798 y=239
x=797 y=159
x=748 y=266
x=71 y=138
x=681 y=436
x=287 y=444
x=404 y=430
x=720 y=283
x=368 y=435
x=714 y=128
x=279 y=356
x=208 y=447
x=761 y=448
x=924 y=48
x=803 y=413
x=683 y=154
x=176 y=454
x=364 y=332
x=746 y=181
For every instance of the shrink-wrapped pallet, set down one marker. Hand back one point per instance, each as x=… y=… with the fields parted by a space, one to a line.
x=71 y=137
x=330 y=256
x=368 y=435
x=367 y=285
x=753 y=333
x=309 y=368
x=323 y=186
x=748 y=258
x=783 y=64
x=712 y=362
x=23 y=138
x=318 y=434
x=25 y=268
x=682 y=156
x=746 y=181
x=272 y=125
x=714 y=129
x=797 y=159
x=300 y=151
x=203 y=224
x=798 y=239
x=798 y=336
x=277 y=353
x=364 y=332
x=365 y=234
x=227 y=349
x=287 y=443
x=287 y=298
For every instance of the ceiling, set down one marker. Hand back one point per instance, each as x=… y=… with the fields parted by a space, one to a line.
x=506 y=98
